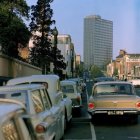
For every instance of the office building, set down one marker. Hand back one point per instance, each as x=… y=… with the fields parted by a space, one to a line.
x=65 y=45
x=98 y=41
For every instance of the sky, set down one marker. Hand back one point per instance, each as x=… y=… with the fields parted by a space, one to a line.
x=125 y=14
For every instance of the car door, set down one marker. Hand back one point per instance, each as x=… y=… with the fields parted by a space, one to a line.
x=68 y=104
x=58 y=111
x=42 y=113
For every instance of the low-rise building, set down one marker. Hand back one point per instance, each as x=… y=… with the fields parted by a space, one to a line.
x=127 y=65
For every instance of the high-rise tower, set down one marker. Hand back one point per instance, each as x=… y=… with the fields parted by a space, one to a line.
x=98 y=41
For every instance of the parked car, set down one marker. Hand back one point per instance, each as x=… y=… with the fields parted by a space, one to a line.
x=47 y=119
x=136 y=84
x=114 y=98
x=103 y=79
x=78 y=82
x=12 y=124
x=70 y=89
x=52 y=82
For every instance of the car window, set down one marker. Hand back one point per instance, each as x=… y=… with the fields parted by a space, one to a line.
x=20 y=96
x=10 y=131
x=45 y=99
x=109 y=89
x=37 y=101
x=67 y=89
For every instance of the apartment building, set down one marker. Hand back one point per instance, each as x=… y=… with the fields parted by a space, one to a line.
x=64 y=43
x=98 y=41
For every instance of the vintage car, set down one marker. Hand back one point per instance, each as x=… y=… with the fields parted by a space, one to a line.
x=70 y=89
x=103 y=79
x=78 y=82
x=114 y=98
x=12 y=124
x=47 y=119
x=136 y=84
x=52 y=82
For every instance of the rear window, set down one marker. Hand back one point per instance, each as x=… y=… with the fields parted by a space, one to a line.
x=67 y=89
x=112 y=89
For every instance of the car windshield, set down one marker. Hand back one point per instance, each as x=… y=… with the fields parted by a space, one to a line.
x=112 y=89
x=67 y=89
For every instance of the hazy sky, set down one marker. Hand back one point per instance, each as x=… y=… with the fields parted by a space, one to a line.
x=125 y=14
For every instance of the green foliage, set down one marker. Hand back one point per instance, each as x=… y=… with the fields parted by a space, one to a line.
x=115 y=72
x=96 y=71
x=42 y=52
x=15 y=7
x=41 y=15
x=13 y=31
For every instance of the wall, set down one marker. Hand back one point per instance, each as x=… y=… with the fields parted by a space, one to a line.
x=10 y=67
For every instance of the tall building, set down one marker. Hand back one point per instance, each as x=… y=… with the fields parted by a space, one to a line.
x=65 y=45
x=98 y=41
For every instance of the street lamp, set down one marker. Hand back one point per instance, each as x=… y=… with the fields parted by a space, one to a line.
x=55 y=34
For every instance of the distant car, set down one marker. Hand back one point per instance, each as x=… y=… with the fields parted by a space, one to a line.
x=13 y=126
x=47 y=119
x=71 y=90
x=52 y=82
x=103 y=79
x=114 y=98
x=136 y=84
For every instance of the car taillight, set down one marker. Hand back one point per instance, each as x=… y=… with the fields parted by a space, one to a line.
x=138 y=104
x=40 y=128
x=91 y=105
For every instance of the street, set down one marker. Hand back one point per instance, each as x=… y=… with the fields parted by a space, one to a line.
x=110 y=128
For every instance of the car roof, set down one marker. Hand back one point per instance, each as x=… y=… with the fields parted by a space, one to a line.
x=113 y=82
x=8 y=105
x=135 y=81
x=34 y=78
x=65 y=82
x=21 y=87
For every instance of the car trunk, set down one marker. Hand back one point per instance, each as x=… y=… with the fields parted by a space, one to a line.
x=121 y=101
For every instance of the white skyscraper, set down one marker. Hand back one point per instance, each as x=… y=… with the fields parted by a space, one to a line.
x=98 y=41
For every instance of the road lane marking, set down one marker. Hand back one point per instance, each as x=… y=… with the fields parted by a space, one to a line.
x=93 y=131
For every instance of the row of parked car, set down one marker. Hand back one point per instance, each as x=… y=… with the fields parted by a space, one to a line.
x=37 y=107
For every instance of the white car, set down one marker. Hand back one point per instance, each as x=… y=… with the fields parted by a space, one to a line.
x=12 y=124
x=52 y=82
x=47 y=119
x=78 y=82
x=71 y=90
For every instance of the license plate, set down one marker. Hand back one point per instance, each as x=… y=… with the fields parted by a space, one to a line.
x=115 y=112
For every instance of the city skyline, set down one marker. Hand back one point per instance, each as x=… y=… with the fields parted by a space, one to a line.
x=69 y=16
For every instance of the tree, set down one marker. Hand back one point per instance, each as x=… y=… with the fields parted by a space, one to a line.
x=115 y=73
x=60 y=64
x=14 y=33
x=42 y=52
x=41 y=15
x=95 y=71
